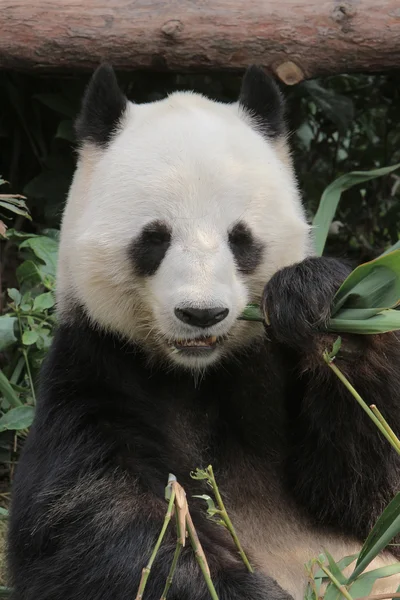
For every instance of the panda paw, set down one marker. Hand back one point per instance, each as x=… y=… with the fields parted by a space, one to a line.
x=297 y=300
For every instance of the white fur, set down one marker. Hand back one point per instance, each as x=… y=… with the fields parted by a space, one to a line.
x=199 y=166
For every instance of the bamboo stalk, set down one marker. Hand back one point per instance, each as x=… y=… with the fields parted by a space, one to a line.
x=342 y=589
x=385 y=424
x=147 y=568
x=200 y=556
x=224 y=514
x=172 y=570
x=395 y=443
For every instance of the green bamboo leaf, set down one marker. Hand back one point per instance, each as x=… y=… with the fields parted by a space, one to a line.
x=331 y=197
x=334 y=569
x=365 y=582
x=375 y=284
x=387 y=320
x=332 y=593
x=252 y=312
x=211 y=508
x=342 y=564
x=392 y=248
x=385 y=529
x=346 y=561
x=17 y=418
x=3 y=513
x=335 y=348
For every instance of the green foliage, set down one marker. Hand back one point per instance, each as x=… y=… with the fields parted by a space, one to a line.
x=365 y=303
x=359 y=584
x=331 y=197
x=386 y=528
x=26 y=327
x=367 y=299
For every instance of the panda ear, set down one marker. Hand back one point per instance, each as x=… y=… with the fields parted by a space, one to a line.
x=262 y=99
x=102 y=108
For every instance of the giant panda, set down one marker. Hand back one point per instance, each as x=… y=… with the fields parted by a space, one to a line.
x=181 y=212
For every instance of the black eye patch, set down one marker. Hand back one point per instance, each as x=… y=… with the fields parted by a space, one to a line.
x=148 y=250
x=246 y=250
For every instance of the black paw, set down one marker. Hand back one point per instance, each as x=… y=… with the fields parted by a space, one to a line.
x=297 y=300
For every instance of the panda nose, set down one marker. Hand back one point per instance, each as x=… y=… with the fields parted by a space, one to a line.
x=201 y=317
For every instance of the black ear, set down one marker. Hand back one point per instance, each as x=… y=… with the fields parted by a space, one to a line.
x=103 y=106
x=262 y=99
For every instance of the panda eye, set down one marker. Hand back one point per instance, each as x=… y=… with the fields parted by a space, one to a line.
x=240 y=235
x=246 y=249
x=157 y=237
x=149 y=248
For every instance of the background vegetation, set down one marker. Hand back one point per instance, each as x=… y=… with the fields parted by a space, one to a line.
x=340 y=124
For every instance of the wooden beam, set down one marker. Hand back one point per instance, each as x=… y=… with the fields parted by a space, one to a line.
x=295 y=39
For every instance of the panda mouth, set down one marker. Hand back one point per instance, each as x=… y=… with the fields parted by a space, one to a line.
x=203 y=344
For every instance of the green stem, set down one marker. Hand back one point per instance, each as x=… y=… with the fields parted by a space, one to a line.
x=147 y=568
x=335 y=582
x=200 y=557
x=25 y=355
x=172 y=570
x=394 y=442
x=226 y=519
x=17 y=371
x=385 y=424
x=28 y=369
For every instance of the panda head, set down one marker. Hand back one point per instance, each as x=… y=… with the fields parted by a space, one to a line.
x=179 y=213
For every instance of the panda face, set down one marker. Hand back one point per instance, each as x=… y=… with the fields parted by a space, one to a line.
x=174 y=223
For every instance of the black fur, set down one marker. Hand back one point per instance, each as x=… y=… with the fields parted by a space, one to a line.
x=102 y=109
x=150 y=247
x=261 y=98
x=246 y=249
x=88 y=494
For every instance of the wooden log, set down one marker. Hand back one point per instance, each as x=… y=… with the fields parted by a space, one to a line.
x=295 y=39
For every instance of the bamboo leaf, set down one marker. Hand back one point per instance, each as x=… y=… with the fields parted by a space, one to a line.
x=334 y=569
x=385 y=529
x=388 y=320
x=331 y=197
x=342 y=564
x=392 y=248
x=375 y=284
x=365 y=582
x=332 y=593
x=252 y=312
x=397 y=591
